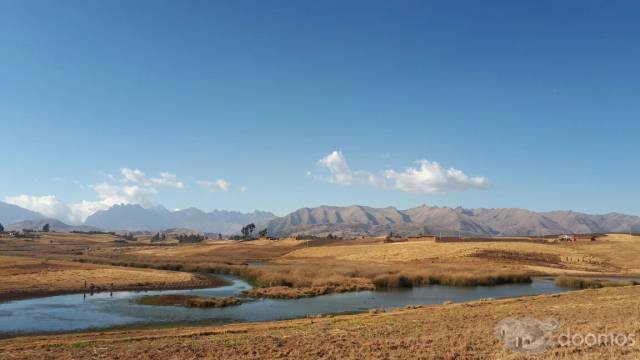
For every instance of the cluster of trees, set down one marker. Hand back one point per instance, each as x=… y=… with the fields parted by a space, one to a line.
x=190 y=238
x=130 y=237
x=314 y=237
x=158 y=237
x=45 y=228
x=247 y=231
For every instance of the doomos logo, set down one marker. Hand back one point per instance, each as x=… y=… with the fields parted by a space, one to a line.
x=528 y=335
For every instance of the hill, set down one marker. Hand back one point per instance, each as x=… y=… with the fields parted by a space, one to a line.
x=362 y=220
x=10 y=213
x=54 y=225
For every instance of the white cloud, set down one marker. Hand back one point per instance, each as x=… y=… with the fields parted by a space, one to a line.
x=336 y=164
x=134 y=175
x=109 y=194
x=243 y=189
x=82 y=210
x=223 y=184
x=112 y=194
x=168 y=179
x=47 y=205
x=428 y=177
x=133 y=188
x=219 y=184
x=339 y=171
x=139 y=177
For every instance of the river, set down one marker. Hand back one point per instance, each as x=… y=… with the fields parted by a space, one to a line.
x=77 y=312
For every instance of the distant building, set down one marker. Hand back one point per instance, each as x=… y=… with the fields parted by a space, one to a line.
x=565 y=237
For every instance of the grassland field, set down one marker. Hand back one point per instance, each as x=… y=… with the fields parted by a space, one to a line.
x=58 y=263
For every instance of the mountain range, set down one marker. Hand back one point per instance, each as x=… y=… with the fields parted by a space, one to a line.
x=10 y=214
x=137 y=218
x=357 y=220
x=347 y=221
x=54 y=225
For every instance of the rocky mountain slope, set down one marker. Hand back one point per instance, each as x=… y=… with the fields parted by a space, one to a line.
x=356 y=220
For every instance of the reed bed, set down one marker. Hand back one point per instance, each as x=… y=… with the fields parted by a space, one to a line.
x=582 y=283
x=188 y=301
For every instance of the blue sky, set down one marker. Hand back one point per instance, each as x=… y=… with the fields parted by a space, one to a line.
x=535 y=103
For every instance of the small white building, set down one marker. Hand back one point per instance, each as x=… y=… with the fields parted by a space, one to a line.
x=565 y=237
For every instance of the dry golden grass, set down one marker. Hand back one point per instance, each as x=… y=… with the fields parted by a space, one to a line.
x=208 y=252
x=617 y=250
x=423 y=250
x=349 y=264
x=611 y=254
x=29 y=276
x=457 y=331
x=346 y=263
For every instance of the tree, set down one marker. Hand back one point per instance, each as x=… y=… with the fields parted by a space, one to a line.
x=190 y=238
x=1 y=227
x=247 y=231
x=263 y=233
x=45 y=228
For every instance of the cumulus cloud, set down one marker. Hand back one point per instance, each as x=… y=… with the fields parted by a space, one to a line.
x=134 y=187
x=219 y=184
x=108 y=193
x=430 y=177
x=112 y=194
x=427 y=177
x=336 y=165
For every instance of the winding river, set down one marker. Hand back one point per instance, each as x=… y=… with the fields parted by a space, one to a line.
x=78 y=312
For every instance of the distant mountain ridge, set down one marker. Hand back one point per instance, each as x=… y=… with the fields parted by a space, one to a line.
x=10 y=214
x=54 y=225
x=360 y=220
x=350 y=221
x=137 y=218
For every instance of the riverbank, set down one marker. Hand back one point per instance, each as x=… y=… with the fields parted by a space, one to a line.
x=415 y=332
x=25 y=277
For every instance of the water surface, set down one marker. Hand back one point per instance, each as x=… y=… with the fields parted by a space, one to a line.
x=106 y=310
